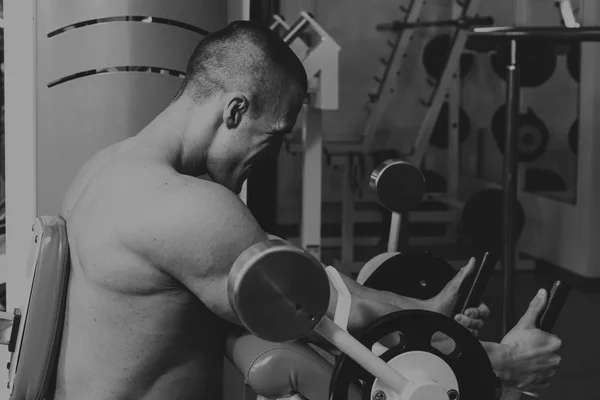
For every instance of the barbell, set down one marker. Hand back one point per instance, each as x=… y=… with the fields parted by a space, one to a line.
x=267 y=288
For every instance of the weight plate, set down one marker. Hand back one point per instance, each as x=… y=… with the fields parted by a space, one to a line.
x=439 y=136
x=482 y=215
x=435 y=57
x=411 y=274
x=399 y=185
x=537 y=62
x=468 y=360
x=574 y=61
x=573 y=137
x=533 y=135
x=267 y=290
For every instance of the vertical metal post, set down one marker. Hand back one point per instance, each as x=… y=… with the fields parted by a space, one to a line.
x=347 y=215
x=312 y=141
x=395 y=227
x=509 y=255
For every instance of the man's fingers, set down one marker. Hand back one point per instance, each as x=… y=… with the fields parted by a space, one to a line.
x=469 y=323
x=536 y=305
x=553 y=361
x=481 y=312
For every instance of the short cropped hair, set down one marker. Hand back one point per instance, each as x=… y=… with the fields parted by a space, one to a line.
x=242 y=56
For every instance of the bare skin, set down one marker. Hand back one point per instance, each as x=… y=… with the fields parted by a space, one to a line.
x=152 y=246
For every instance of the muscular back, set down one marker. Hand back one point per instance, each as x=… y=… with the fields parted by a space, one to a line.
x=132 y=330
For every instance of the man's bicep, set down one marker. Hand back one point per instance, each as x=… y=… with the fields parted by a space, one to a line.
x=210 y=229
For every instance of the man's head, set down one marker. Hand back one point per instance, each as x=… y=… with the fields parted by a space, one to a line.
x=249 y=85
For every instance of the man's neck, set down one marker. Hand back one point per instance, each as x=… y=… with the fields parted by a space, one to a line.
x=169 y=136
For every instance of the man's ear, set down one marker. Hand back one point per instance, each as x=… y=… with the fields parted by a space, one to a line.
x=236 y=107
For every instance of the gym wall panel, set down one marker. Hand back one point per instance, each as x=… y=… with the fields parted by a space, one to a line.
x=143 y=39
x=56 y=14
x=81 y=116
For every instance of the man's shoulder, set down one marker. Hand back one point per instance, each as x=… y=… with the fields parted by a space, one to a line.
x=189 y=212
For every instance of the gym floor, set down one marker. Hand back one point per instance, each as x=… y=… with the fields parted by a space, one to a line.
x=577 y=377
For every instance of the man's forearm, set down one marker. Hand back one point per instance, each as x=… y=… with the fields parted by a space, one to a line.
x=369 y=304
x=366 y=306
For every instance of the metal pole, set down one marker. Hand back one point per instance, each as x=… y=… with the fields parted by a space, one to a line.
x=510 y=188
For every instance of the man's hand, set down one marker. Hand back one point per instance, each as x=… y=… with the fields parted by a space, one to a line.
x=473 y=318
x=532 y=356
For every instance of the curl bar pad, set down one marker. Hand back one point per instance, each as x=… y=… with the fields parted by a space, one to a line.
x=278 y=291
x=37 y=325
x=283 y=370
x=399 y=185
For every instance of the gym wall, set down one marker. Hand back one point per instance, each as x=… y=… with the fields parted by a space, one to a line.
x=104 y=71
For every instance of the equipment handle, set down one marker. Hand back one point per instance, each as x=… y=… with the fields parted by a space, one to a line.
x=363 y=356
x=476 y=283
x=556 y=301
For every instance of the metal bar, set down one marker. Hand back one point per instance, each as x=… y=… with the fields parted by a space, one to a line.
x=348 y=215
x=311 y=183
x=295 y=30
x=469 y=22
x=395 y=226
x=510 y=188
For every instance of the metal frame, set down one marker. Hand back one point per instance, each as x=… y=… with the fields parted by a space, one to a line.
x=321 y=59
x=441 y=90
x=386 y=90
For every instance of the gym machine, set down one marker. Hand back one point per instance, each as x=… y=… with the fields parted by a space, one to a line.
x=409 y=365
x=445 y=93
x=322 y=68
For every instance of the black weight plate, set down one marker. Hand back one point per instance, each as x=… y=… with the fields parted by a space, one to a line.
x=573 y=137
x=537 y=62
x=544 y=180
x=481 y=218
x=435 y=57
x=574 y=61
x=412 y=274
x=533 y=135
x=399 y=185
x=439 y=135
x=469 y=361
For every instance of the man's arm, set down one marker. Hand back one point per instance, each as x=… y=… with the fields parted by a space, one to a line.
x=201 y=235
